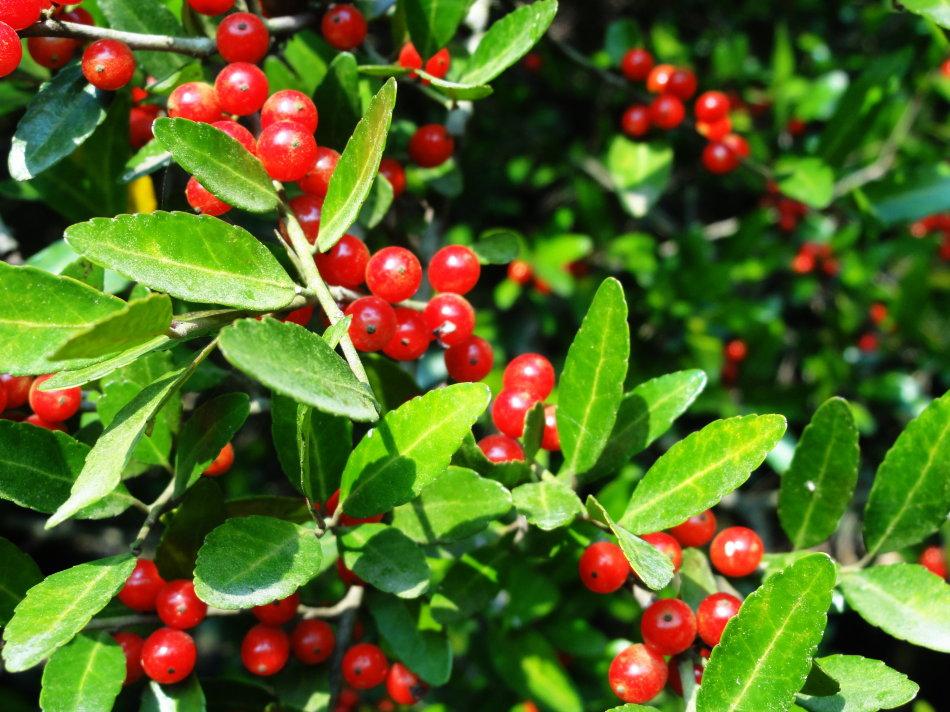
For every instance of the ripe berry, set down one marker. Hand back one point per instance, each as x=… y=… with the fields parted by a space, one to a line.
x=51 y=52
x=393 y=274
x=265 y=650
x=11 y=51
x=667 y=111
x=211 y=7
x=682 y=84
x=131 y=645
x=409 y=58
x=19 y=14
x=603 y=568
x=77 y=14
x=451 y=318
x=711 y=106
x=242 y=88
x=454 y=268
x=404 y=686
x=312 y=641
x=738 y=145
x=668 y=626
x=431 y=145
x=719 y=159
x=168 y=656
x=412 y=336
x=392 y=170
x=713 y=614
x=501 y=448
x=659 y=77
x=54 y=406
x=736 y=350
x=287 y=151
x=238 y=133
x=203 y=200
x=509 y=411
x=364 y=666
x=636 y=64
x=550 y=438
x=141 y=119
x=717 y=130
x=300 y=317
x=222 y=463
x=637 y=674
x=519 y=271
x=344 y=265
x=307 y=209
x=141 y=588
x=343 y=27
x=290 y=105
x=277 y=612
x=40 y=423
x=877 y=312
x=635 y=121
x=373 y=325
x=736 y=551
x=3 y=398
x=698 y=530
x=317 y=180
x=932 y=559
x=17 y=389
x=439 y=63
x=178 y=606
x=469 y=361
x=108 y=64
x=243 y=37
x=668 y=545
x=196 y=101
x=529 y=372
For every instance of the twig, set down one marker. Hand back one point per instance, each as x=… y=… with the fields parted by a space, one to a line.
x=154 y=512
x=582 y=61
x=189 y=326
x=351 y=601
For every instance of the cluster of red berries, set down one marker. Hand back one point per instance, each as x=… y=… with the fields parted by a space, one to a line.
x=669 y=627
x=868 y=342
x=935 y=224
x=437 y=65
x=50 y=52
x=790 y=212
x=51 y=409
x=812 y=256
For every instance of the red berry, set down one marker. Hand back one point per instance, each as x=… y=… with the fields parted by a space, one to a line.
x=717 y=130
x=603 y=568
x=40 y=423
x=878 y=312
x=287 y=150
x=131 y=645
x=11 y=51
x=300 y=317
x=409 y=58
x=393 y=274
x=211 y=7
x=412 y=336
x=264 y=650
x=203 y=200
x=17 y=389
x=501 y=448
x=277 y=612
x=312 y=641
x=178 y=606
x=54 y=406
x=196 y=101
x=3 y=398
x=667 y=111
x=711 y=106
x=519 y=271
x=347 y=576
x=317 y=180
x=509 y=411
x=529 y=372
x=307 y=209
x=108 y=64
x=431 y=145
x=238 y=133
x=736 y=144
x=364 y=666
x=141 y=119
x=469 y=361
x=242 y=88
x=636 y=64
x=637 y=674
x=52 y=52
x=682 y=84
x=344 y=27
x=344 y=265
x=77 y=15
x=454 y=268
x=222 y=463
x=736 y=551
x=698 y=530
x=19 y=14
x=668 y=626
x=659 y=77
x=142 y=586
x=719 y=159
x=439 y=63
x=736 y=350
x=713 y=614
x=392 y=170
x=933 y=559
x=451 y=318
x=668 y=545
x=290 y=105
x=404 y=686
x=243 y=37
x=168 y=656
x=550 y=439
x=635 y=121
x=373 y=325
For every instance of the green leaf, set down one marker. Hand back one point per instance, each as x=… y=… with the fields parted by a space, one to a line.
x=808 y=180
x=61 y=116
x=18 y=572
x=201 y=510
x=250 y=561
x=818 y=485
x=425 y=652
x=632 y=708
x=186 y=696
x=357 y=169
x=533 y=431
x=387 y=559
x=297 y=363
x=591 y=384
x=765 y=653
x=906 y=601
x=910 y=496
x=529 y=665
x=653 y=567
x=467 y=588
x=301 y=688
x=696 y=578
x=102 y=471
x=410 y=448
x=508 y=40
x=104 y=367
x=547 y=504
x=937 y=11
x=219 y=162
x=56 y=609
x=376 y=207
x=86 y=674
x=455 y=506
x=640 y=172
x=432 y=23
x=218 y=263
x=497 y=246
x=907 y=196
x=147 y=160
x=865 y=685
x=338 y=97
x=209 y=429
x=701 y=469
x=455 y=90
x=149 y=17
x=138 y=322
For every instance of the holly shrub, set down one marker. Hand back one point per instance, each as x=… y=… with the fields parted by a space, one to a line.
x=474 y=355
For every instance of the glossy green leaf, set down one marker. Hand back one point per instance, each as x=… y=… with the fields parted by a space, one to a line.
x=910 y=497
x=455 y=506
x=138 y=322
x=508 y=40
x=529 y=665
x=357 y=169
x=497 y=246
x=432 y=23
x=865 y=685
x=906 y=601
x=150 y=17
x=533 y=431
x=209 y=429
x=651 y=565
x=909 y=196
x=201 y=510
x=766 y=650
x=104 y=367
x=387 y=559
x=547 y=504
x=147 y=160
x=640 y=172
x=591 y=385
x=186 y=696
x=410 y=448
x=701 y=469
x=425 y=652
x=61 y=116
x=467 y=588
x=86 y=674
x=219 y=162
x=936 y=10
x=338 y=97
x=18 y=572
x=297 y=363
x=377 y=205
x=250 y=561
x=818 y=485
x=808 y=180
x=455 y=90
x=56 y=609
